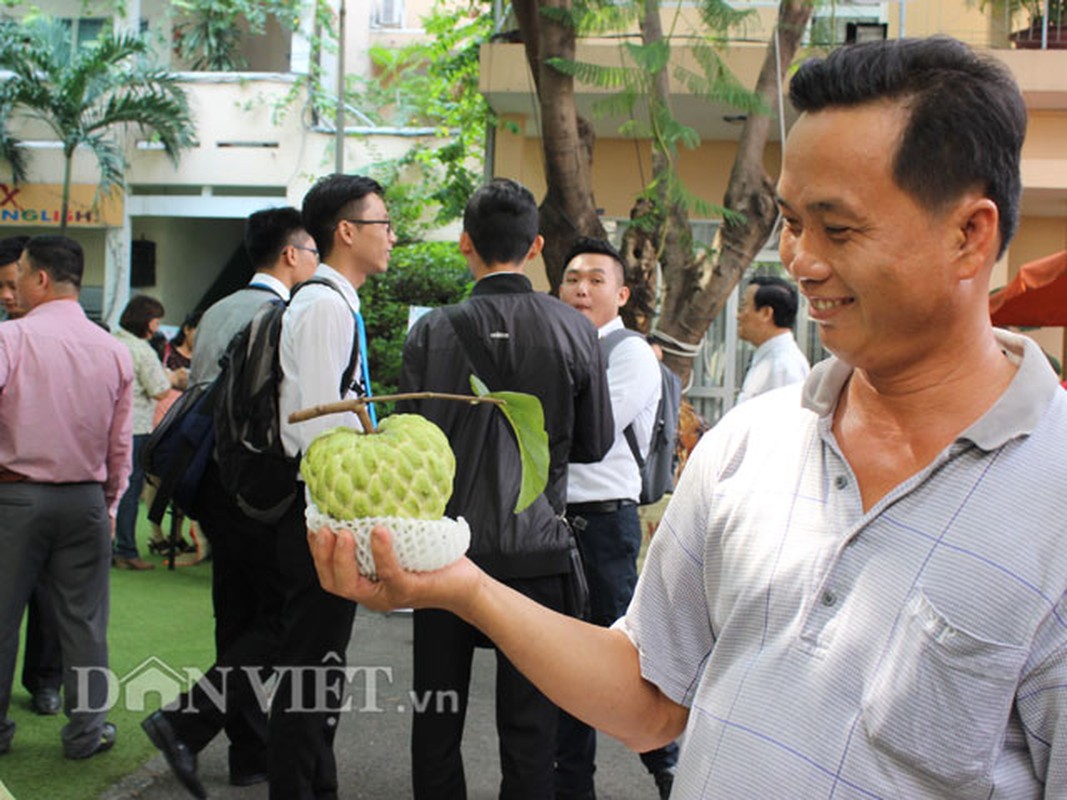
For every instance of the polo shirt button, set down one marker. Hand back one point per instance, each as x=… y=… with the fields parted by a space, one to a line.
x=829 y=598
x=840 y=481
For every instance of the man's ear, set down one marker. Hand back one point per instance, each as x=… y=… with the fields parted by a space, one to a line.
x=466 y=244
x=976 y=232
x=624 y=295
x=289 y=255
x=535 y=248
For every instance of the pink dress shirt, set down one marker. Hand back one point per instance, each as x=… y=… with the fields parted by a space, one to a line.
x=65 y=400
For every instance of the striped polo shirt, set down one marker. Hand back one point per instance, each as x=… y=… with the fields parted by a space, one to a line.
x=916 y=650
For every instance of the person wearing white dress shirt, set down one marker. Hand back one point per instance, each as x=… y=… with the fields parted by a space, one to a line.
x=602 y=496
x=766 y=317
x=347 y=218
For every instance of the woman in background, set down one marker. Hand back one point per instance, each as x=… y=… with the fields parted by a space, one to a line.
x=140 y=320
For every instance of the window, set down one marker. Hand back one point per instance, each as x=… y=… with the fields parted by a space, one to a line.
x=837 y=22
x=84 y=30
x=388 y=14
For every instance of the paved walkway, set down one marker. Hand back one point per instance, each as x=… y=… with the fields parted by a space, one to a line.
x=372 y=741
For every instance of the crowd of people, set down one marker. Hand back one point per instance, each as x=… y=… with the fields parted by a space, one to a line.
x=837 y=602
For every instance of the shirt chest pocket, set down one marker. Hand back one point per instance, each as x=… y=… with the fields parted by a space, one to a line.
x=939 y=701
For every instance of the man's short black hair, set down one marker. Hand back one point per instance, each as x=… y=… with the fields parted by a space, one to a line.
x=331 y=199
x=268 y=232
x=11 y=248
x=141 y=310
x=967 y=120
x=501 y=219
x=60 y=256
x=587 y=244
x=780 y=295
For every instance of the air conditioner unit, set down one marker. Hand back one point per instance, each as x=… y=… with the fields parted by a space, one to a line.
x=389 y=14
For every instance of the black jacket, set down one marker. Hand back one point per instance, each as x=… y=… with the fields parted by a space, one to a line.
x=538 y=345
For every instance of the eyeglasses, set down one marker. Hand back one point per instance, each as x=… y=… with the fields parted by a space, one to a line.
x=311 y=250
x=388 y=223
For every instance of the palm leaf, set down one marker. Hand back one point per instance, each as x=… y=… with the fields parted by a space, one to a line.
x=83 y=95
x=10 y=151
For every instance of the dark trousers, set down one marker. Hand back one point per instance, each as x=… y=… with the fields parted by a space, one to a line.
x=126 y=517
x=610 y=543
x=60 y=532
x=42 y=662
x=526 y=720
x=247 y=592
x=306 y=708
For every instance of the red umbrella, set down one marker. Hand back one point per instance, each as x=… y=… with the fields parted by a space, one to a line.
x=1036 y=297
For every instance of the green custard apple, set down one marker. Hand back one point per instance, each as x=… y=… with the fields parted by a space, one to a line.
x=404 y=469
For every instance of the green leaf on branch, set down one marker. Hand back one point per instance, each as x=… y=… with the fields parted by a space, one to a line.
x=527 y=420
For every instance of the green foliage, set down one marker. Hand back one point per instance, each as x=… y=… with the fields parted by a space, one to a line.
x=427 y=274
x=210 y=36
x=527 y=419
x=633 y=87
x=433 y=83
x=83 y=94
x=716 y=83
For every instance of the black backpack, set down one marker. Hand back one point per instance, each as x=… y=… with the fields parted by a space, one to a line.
x=177 y=451
x=657 y=470
x=253 y=465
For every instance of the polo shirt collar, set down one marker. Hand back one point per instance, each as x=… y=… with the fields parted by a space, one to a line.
x=1015 y=413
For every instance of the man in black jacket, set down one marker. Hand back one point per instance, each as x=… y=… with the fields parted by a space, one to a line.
x=525 y=341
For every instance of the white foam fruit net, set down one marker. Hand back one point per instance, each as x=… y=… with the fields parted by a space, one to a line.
x=421 y=545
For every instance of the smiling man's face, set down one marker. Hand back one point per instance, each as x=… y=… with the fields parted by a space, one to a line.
x=593 y=284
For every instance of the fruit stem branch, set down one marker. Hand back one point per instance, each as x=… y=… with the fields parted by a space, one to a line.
x=359 y=405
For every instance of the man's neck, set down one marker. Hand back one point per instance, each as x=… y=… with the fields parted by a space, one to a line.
x=480 y=271
x=774 y=333
x=893 y=423
x=282 y=275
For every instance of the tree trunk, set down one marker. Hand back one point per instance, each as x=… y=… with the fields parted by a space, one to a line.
x=568 y=209
x=665 y=236
x=697 y=288
x=64 y=205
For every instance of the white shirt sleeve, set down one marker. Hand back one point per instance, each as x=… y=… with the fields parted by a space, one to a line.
x=317 y=338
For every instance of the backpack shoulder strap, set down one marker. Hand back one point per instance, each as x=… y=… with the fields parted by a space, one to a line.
x=610 y=342
x=607 y=344
x=346 y=374
x=474 y=348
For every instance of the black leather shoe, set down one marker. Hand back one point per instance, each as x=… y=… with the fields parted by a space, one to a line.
x=180 y=759
x=664 y=782
x=46 y=702
x=108 y=734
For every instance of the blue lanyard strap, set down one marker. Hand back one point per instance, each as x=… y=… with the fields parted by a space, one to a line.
x=364 y=367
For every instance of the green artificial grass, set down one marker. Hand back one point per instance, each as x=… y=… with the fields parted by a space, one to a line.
x=158 y=613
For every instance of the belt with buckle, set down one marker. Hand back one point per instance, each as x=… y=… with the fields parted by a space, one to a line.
x=597 y=507
x=10 y=476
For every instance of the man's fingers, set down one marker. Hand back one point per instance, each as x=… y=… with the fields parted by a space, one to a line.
x=344 y=571
x=322 y=543
x=381 y=547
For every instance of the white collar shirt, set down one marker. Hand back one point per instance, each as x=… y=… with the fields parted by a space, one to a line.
x=775 y=363
x=272 y=283
x=634 y=384
x=318 y=333
x=914 y=650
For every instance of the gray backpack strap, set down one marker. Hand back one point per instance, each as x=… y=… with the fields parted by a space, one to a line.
x=607 y=344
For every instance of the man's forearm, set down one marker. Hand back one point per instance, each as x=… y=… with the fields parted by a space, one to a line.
x=591 y=671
